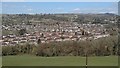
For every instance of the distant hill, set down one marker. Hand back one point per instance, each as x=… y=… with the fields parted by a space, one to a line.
x=80 y=18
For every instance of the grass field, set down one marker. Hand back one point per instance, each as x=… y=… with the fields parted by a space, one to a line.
x=0 y=61
x=58 y=61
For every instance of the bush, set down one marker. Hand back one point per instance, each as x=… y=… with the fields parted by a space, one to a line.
x=100 y=47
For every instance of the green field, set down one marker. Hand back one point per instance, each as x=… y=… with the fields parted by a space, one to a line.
x=0 y=61
x=58 y=61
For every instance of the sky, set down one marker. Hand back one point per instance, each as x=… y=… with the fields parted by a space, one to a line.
x=59 y=0
x=58 y=7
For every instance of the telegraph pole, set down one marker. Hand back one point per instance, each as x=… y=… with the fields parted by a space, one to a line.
x=86 y=60
x=86 y=55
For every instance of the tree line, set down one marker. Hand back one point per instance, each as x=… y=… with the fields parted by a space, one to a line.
x=101 y=47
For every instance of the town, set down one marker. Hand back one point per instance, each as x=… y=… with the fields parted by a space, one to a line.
x=45 y=29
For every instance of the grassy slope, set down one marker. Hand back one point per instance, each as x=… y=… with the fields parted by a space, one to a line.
x=58 y=61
